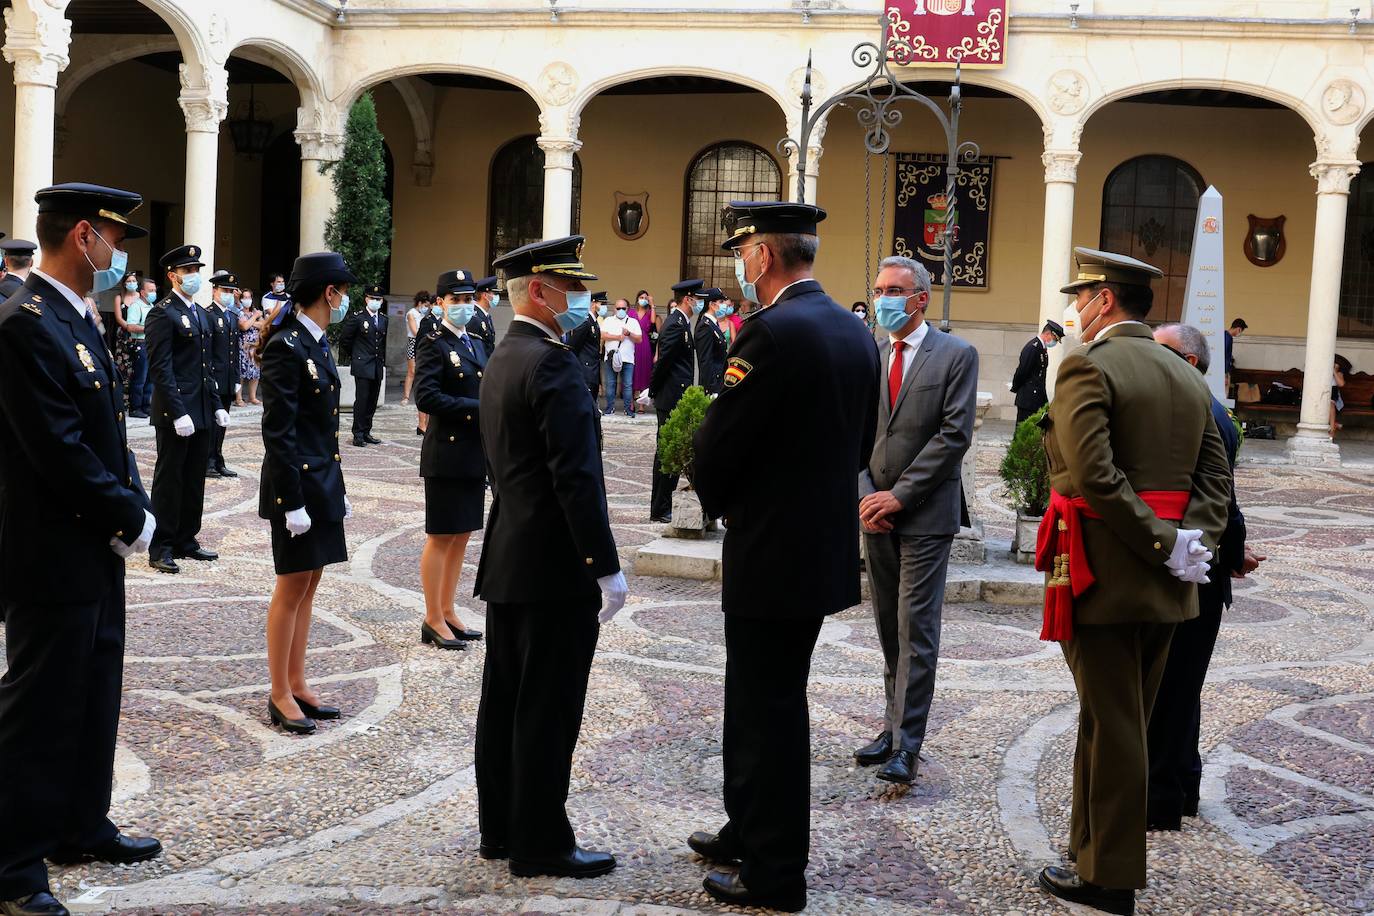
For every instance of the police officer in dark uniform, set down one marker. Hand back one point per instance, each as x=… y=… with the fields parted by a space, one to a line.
x=1028 y=382
x=18 y=263
x=186 y=403
x=364 y=335
x=585 y=340
x=710 y=341
x=72 y=507
x=548 y=563
x=224 y=324
x=803 y=510
x=674 y=370
x=482 y=326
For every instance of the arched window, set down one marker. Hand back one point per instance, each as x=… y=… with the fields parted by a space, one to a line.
x=728 y=171
x=1357 y=270
x=1149 y=209
x=516 y=214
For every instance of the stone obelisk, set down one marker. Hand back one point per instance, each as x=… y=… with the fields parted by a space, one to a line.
x=1204 y=301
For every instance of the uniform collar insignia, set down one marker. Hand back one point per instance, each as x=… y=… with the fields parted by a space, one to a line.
x=32 y=307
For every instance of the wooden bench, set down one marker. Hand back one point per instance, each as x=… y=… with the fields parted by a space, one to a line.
x=1358 y=395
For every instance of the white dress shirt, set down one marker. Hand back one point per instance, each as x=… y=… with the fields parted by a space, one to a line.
x=913 y=343
x=77 y=302
x=538 y=324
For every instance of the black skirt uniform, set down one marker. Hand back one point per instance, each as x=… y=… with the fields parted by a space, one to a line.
x=300 y=434
x=448 y=378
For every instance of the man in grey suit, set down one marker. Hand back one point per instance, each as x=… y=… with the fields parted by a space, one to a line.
x=910 y=499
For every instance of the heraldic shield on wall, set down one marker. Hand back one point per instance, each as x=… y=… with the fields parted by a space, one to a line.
x=923 y=209
x=1265 y=242
x=941 y=33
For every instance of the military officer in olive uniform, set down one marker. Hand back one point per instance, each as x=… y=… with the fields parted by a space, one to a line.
x=18 y=263
x=224 y=323
x=674 y=370
x=709 y=341
x=1140 y=496
x=482 y=326
x=364 y=336
x=1028 y=382
x=186 y=404
x=548 y=564
x=72 y=508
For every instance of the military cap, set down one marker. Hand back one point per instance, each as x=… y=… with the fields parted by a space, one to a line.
x=712 y=295
x=743 y=218
x=552 y=256
x=457 y=282
x=688 y=287
x=18 y=248
x=1054 y=328
x=92 y=201
x=185 y=256
x=224 y=279
x=486 y=285
x=1096 y=266
x=375 y=291
x=319 y=269
x=599 y=296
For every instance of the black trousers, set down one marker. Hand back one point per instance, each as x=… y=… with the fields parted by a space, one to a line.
x=534 y=686
x=661 y=501
x=366 y=391
x=216 y=459
x=1023 y=412
x=178 y=490
x=1176 y=722
x=767 y=749
x=59 y=713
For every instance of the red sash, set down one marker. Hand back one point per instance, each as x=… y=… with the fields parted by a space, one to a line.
x=1059 y=551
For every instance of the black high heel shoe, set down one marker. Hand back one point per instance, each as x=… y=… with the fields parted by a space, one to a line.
x=317 y=712
x=464 y=633
x=294 y=726
x=427 y=635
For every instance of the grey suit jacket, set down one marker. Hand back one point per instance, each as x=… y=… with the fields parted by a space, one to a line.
x=921 y=443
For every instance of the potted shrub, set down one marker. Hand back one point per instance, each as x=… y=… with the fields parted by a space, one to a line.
x=1025 y=471
x=675 y=457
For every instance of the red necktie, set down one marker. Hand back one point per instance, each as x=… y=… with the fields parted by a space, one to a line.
x=894 y=375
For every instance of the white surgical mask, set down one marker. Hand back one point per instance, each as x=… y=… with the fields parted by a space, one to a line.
x=247 y=301
x=190 y=283
x=278 y=287
x=374 y=304
x=1078 y=316
x=226 y=298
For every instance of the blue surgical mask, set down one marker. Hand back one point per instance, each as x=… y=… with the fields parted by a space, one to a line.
x=373 y=305
x=339 y=311
x=131 y=286
x=891 y=312
x=190 y=284
x=747 y=289
x=495 y=300
x=620 y=313
x=726 y=311
x=602 y=311
x=437 y=311
x=151 y=297
x=460 y=314
x=579 y=307
x=111 y=276
x=226 y=299
x=1050 y=345
x=697 y=307
x=643 y=303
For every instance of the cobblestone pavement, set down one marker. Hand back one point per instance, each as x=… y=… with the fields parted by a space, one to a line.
x=376 y=813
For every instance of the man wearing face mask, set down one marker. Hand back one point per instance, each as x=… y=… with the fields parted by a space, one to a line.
x=1028 y=382
x=585 y=341
x=1140 y=488
x=482 y=326
x=72 y=508
x=364 y=336
x=549 y=510
x=674 y=370
x=18 y=262
x=225 y=362
x=276 y=294
x=709 y=340
x=803 y=507
x=186 y=404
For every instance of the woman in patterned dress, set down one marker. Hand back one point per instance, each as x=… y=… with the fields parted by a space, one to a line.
x=250 y=325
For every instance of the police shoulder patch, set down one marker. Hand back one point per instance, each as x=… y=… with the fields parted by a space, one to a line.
x=736 y=370
x=557 y=343
x=33 y=306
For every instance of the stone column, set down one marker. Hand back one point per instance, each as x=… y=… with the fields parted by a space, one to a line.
x=1312 y=444
x=559 y=157
x=36 y=44
x=1056 y=251
x=319 y=150
x=204 y=108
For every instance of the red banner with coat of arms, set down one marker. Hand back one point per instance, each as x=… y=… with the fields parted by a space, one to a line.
x=941 y=33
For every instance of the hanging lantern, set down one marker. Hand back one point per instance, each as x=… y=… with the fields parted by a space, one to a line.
x=249 y=132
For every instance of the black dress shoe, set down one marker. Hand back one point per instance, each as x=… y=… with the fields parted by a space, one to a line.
x=198 y=553
x=900 y=768
x=371 y=439
x=711 y=846
x=211 y=473
x=358 y=443
x=1065 y=884
x=726 y=887
x=317 y=712
x=120 y=850
x=576 y=863
x=492 y=851
x=304 y=726
x=39 y=904
x=464 y=633
x=164 y=564
x=1190 y=807
x=138 y=415
x=876 y=751
x=226 y=472
x=419 y=431
x=661 y=519
x=428 y=636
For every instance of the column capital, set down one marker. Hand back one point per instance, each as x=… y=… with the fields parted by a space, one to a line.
x=204 y=98
x=1334 y=176
x=319 y=131
x=559 y=151
x=1061 y=165
x=36 y=44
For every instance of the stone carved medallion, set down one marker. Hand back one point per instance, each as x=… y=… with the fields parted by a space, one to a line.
x=1068 y=92
x=1342 y=102
x=558 y=83
x=818 y=85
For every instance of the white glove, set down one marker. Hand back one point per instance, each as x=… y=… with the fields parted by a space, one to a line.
x=1196 y=573
x=184 y=426
x=348 y=508
x=222 y=417
x=1188 y=550
x=140 y=544
x=643 y=399
x=613 y=592
x=298 y=521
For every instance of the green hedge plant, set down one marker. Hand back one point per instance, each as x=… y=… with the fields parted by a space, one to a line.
x=1025 y=468
x=675 y=438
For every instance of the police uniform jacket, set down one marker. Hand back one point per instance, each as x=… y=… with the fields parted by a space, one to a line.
x=68 y=481
x=585 y=340
x=481 y=326
x=300 y=427
x=448 y=380
x=1129 y=416
x=676 y=361
x=1028 y=382
x=364 y=336
x=425 y=329
x=549 y=492
x=1231 y=557
x=9 y=286
x=180 y=353
x=710 y=350
x=224 y=360
x=782 y=465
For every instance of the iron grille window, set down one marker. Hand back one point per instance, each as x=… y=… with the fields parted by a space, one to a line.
x=728 y=171
x=516 y=215
x=1149 y=210
x=1357 y=269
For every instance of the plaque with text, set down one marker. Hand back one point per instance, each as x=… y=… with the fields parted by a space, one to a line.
x=941 y=33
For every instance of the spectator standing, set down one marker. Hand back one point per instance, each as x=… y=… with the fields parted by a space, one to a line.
x=642 y=311
x=135 y=317
x=621 y=336
x=250 y=328
x=1238 y=327
x=417 y=311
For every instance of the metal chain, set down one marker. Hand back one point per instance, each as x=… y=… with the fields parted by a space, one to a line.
x=882 y=225
x=868 y=223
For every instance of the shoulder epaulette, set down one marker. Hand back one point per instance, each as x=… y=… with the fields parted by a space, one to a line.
x=34 y=304
x=556 y=343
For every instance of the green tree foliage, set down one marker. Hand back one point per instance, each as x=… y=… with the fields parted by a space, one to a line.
x=675 y=438
x=1025 y=468
x=360 y=226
